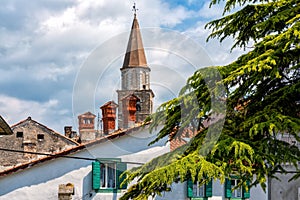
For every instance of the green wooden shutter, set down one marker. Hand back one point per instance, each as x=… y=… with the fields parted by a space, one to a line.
x=189 y=188
x=96 y=175
x=208 y=189
x=227 y=187
x=121 y=167
x=246 y=194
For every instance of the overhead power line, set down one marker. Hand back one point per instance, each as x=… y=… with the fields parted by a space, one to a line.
x=62 y=156
x=92 y=159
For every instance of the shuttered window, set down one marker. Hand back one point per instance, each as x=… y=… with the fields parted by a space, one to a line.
x=96 y=175
x=195 y=190
x=238 y=193
x=106 y=175
x=246 y=193
x=121 y=167
x=227 y=187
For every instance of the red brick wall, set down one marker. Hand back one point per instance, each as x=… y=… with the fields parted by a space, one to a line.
x=181 y=138
x=109 y=117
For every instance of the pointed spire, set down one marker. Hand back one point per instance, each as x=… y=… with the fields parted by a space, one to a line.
x=135 y=55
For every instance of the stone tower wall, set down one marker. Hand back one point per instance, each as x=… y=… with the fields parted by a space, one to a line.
x=146 y=105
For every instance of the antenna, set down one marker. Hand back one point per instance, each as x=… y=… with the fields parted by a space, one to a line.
x=98 y=122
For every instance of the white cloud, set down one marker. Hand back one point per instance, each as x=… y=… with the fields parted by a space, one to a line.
x=43 y=45
x=61 y=22
x=213 y=12
x=219 y=53
x=162 y=14
x=52 y=73
x=15 y=110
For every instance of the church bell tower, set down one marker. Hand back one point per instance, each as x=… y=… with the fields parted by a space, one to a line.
x=135 y=96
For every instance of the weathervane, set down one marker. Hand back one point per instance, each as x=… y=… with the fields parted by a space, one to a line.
x=134 y=9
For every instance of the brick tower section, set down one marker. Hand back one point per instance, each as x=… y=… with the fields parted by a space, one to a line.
x=86 y=121
x=135 y=102
x=109 y=116
x=86 y=127
x=130 y=109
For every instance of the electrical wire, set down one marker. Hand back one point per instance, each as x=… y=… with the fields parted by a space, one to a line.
x=84 y=158
x=62 y=156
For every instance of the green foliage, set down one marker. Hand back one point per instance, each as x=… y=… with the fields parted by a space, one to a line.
x=261 y=92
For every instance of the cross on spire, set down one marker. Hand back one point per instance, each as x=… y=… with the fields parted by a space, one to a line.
x=134 y=9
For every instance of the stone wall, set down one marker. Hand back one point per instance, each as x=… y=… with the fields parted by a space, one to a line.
x=146 y=105
x=32 y=136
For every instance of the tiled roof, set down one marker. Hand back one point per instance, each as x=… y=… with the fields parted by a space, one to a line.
x=112 y=103
x=115 y=135
x=87 y=114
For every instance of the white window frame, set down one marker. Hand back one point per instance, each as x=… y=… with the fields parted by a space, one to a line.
x=237 y=192
x=198 y=190
x=104 y=184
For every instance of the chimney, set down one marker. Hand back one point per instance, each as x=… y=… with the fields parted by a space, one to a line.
x=68 y=131
x=109 y=116
x=86 y=121
x=65 y=191
x=86 y=127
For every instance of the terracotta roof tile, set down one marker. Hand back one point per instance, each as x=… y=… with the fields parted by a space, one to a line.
x=114 y=135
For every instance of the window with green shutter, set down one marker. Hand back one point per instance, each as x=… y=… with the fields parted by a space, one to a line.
x=237 y=193
x=106 y=174
x=121 y=167
x=227 y=187
x=246 y=193
x=190 y=188
x=208 y=189
x=96 y=175
x=197 y=191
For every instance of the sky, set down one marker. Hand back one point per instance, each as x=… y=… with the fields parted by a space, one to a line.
x=61 y=58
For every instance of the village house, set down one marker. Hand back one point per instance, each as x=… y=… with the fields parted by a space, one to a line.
x=31 y=136
x=41 y=179
x=111 y=150
x=88 y=165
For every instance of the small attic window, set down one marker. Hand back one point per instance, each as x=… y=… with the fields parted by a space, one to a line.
x=19 y=134
x=40 y=137
x=86 y=121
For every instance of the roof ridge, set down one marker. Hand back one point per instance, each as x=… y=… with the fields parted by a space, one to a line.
x=71 y=150
x=57 y=133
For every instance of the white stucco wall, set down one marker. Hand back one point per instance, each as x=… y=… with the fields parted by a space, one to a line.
x=179 y=191
x=41 y=181
x=283 y=188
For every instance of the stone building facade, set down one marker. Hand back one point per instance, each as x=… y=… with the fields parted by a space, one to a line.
x=31 y=136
